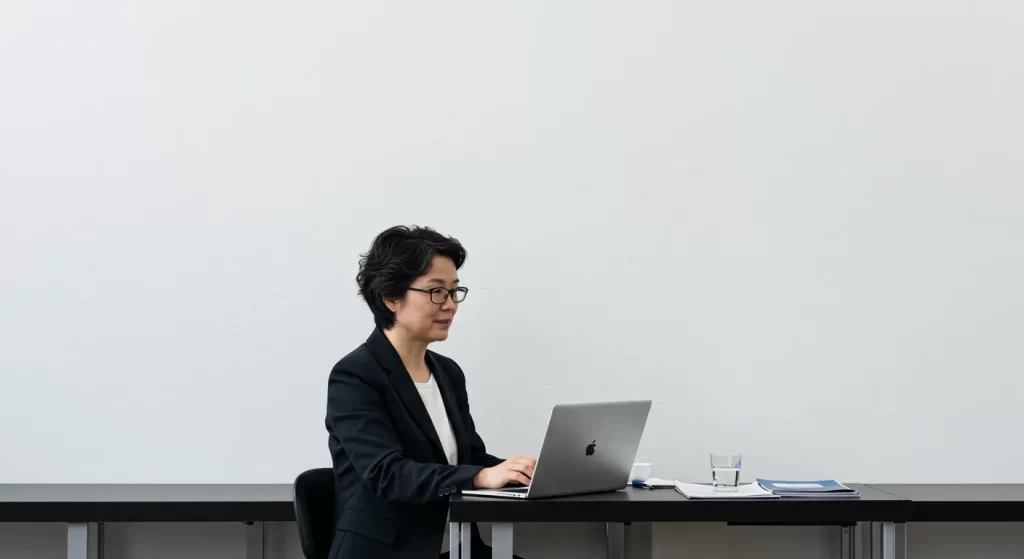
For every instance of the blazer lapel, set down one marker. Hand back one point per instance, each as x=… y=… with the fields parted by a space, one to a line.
x=388 y=358
x=451 y=406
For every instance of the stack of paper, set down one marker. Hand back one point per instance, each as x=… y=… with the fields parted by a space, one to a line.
x=700 y=491
x=821 y=489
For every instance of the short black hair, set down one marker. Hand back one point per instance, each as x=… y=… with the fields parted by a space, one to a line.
x=396 y=258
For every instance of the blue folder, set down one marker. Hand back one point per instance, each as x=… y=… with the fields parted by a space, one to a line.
x=822 y=488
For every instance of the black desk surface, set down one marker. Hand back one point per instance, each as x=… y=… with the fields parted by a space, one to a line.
x=666 y=505
x=974 y=502
x=146 y=503
x=273 y=502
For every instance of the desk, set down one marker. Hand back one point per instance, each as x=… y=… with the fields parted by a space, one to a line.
x=882 y=510
x=85 y=507
x=632 y=506
x=961 y=502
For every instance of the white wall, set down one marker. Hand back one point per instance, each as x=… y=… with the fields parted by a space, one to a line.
x=795 y=225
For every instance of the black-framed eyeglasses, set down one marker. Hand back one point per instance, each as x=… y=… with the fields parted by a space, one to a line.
x=440 y=294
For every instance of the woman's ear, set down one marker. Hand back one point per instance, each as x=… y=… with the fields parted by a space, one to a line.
x=391 y=304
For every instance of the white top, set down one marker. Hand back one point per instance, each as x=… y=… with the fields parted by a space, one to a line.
x=431 y=396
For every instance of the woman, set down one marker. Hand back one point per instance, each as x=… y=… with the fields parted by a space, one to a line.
x=400 y=432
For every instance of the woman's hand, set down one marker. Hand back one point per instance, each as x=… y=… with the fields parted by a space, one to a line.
x=518 y=469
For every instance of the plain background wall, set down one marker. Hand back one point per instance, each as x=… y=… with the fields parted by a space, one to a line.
x=796 y=226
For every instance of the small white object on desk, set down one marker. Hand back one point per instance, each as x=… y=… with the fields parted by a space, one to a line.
x=655 y=483
x=640 y=471
x=747 y=491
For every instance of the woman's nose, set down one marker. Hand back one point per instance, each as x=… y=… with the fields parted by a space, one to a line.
x=449 y=303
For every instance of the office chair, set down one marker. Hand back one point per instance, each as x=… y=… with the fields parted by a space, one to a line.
x=313 y=495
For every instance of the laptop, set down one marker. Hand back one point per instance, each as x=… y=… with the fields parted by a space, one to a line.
x=588 y=448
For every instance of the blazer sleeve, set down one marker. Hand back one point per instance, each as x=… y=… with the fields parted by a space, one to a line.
x=358 y=420
x=478 y=455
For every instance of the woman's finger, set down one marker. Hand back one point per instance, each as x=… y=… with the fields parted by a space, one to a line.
x=522 y=479
x=520 y=468
x=526 y=460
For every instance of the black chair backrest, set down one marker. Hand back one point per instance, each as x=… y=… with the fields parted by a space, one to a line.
x=313 y=494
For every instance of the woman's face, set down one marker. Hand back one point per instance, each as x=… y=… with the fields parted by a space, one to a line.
x=417 y=315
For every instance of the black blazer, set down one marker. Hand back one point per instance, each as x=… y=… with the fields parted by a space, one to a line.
x=392 y=479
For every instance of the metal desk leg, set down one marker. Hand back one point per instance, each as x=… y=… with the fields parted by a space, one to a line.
x=466 y=545
x=85 y=540
x=501 y=540
x=616 y=540
x=254 y=540
x=454 y=539
x=848 y=542
x=888 y=540
x=901 y=540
